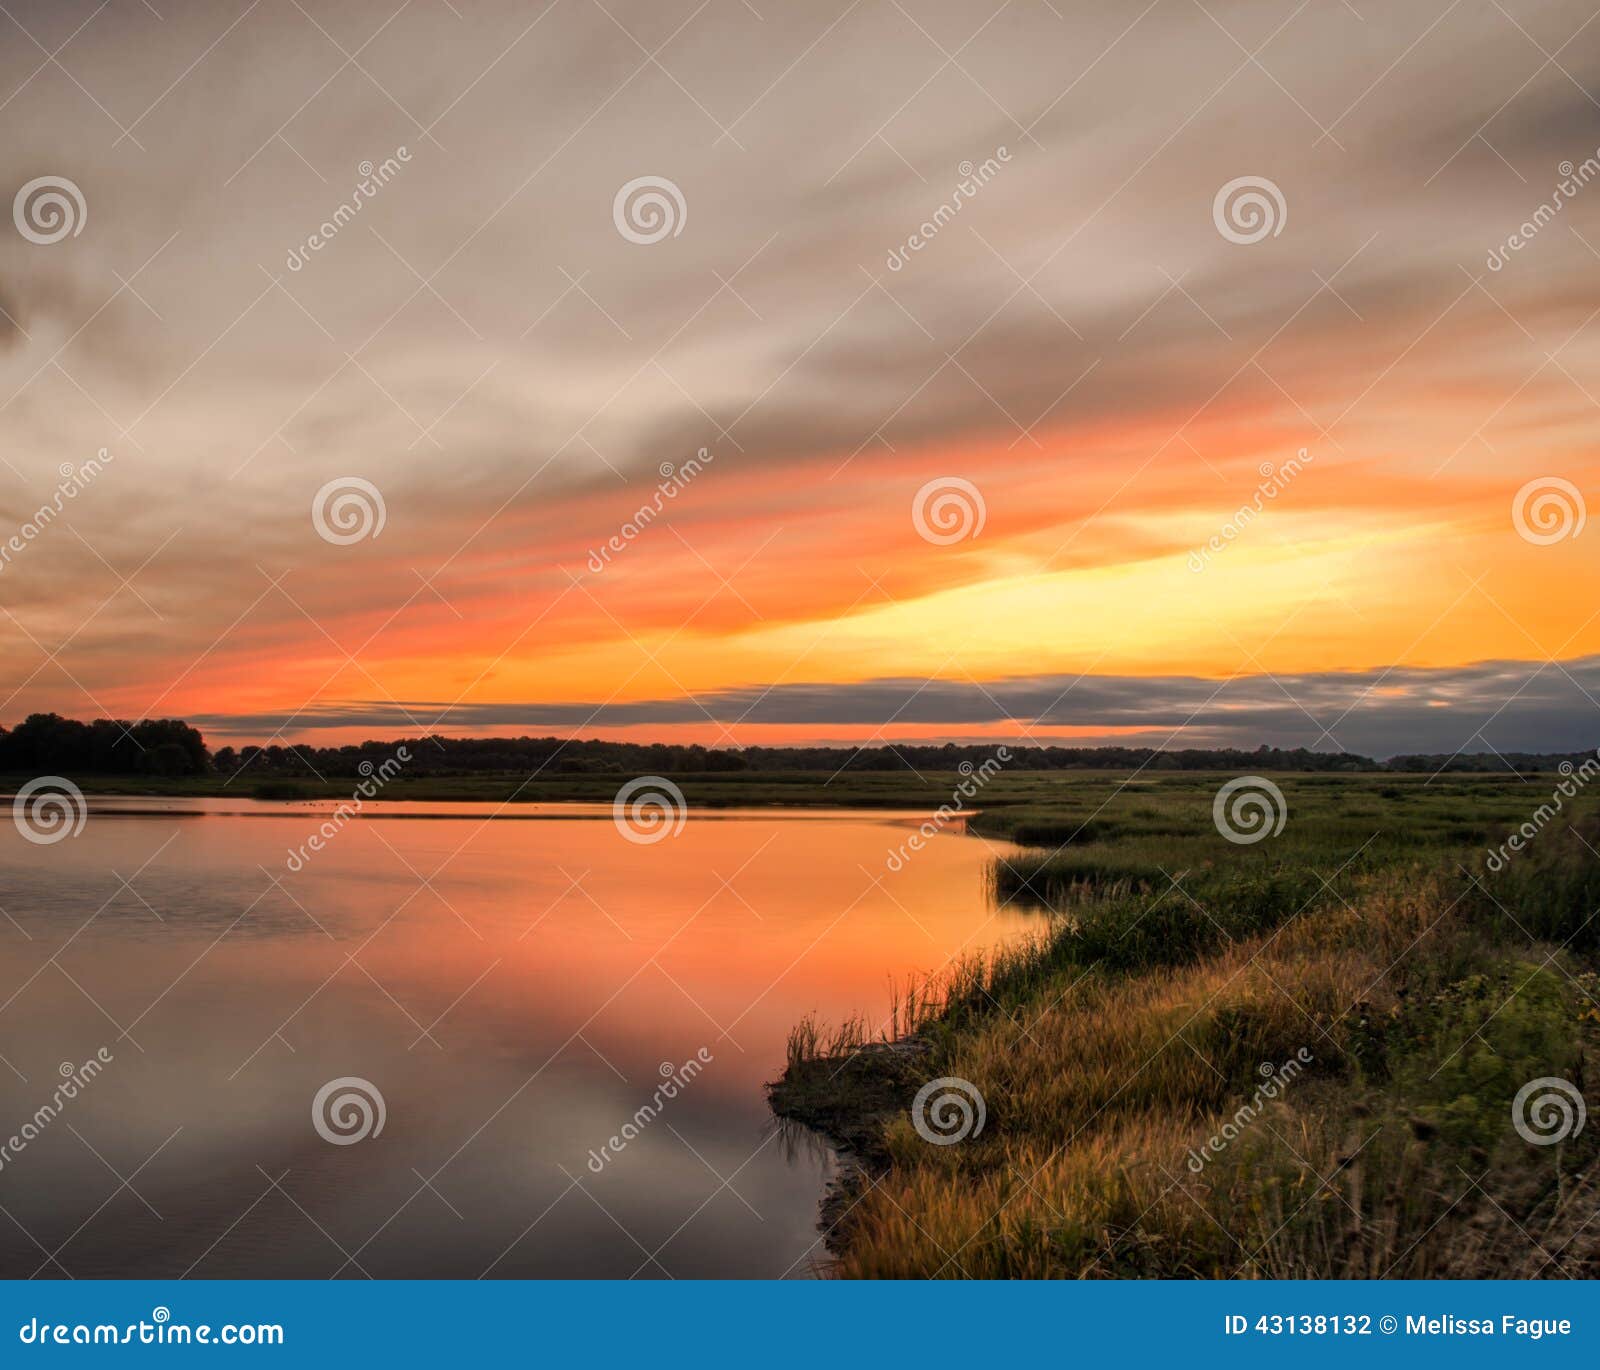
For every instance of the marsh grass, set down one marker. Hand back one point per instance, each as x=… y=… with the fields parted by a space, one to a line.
x=1173 y=971
x=811 y=1040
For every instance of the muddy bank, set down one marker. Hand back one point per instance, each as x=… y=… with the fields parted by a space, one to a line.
x=850 y=1101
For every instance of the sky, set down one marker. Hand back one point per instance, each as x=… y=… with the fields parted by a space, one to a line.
x=1181 y=372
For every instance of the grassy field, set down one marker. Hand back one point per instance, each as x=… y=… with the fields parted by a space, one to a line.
x=722 y=789
x=1292 y=1057
x=1031 y=806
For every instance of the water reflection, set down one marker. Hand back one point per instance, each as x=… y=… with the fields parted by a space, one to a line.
x=513 y=989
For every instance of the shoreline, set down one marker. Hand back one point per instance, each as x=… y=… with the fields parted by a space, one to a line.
x=761 y=790
x=291 y=808
x=847 y=1100
x=1351 y=1100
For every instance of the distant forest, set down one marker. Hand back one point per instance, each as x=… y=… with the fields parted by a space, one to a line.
x=47 y=744
x=50 y=744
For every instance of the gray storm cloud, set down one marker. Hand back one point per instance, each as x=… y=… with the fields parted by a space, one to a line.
x=1503 y=706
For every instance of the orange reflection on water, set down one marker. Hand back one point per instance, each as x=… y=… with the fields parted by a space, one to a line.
x=515 y=988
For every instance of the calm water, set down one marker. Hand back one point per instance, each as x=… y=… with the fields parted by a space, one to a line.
x=514 y=991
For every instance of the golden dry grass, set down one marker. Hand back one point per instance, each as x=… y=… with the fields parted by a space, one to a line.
x=1393 y=1155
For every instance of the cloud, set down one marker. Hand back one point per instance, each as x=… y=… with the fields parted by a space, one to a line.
x=1490 y=706
x=480 y=342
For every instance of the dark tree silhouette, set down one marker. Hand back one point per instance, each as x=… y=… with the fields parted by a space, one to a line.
x=50 y=744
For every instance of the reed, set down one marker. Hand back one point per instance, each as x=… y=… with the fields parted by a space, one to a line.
x=1418 y=992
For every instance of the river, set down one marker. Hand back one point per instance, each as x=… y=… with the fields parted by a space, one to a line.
x=565 y=1032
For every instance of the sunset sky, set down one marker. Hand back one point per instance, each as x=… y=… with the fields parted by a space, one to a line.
x=1080 y=341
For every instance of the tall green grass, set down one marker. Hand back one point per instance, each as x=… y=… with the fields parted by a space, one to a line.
x=1173 y=967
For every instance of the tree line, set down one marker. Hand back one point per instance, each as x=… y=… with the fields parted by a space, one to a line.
x=51 y=744
x=555 y=756
x=47 y=744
